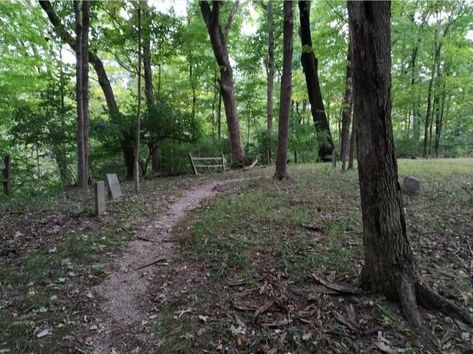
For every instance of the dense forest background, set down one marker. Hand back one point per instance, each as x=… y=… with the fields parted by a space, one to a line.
x=432 y=74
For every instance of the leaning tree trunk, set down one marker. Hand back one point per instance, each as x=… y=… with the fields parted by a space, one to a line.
x=347 y=111
x=285 y=95
x=389 y=266
x=103 y=80
x=309 y=64
x=270 y=76
x=217 y=38
x=81 y=10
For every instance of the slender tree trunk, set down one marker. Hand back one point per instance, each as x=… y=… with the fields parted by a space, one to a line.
x=148 y=76
x=414 y=105
x=285 y=95
x=125 y=139
x=428 y=114
x=347 y=111
x=81 y=10
x=309 y=64
x=59 y=152
x=217 y=38
x=439 y=121
x=148 y=72
x=136 y=174
x=351 y=153
x=270 y=75
x=219 y=115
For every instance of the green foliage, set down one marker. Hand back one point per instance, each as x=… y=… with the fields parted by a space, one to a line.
x=38 y=130
x=304 y=140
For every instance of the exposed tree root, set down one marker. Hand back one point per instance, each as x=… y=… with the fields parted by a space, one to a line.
x=428 y=298
x=407 y=299
x=414 y=293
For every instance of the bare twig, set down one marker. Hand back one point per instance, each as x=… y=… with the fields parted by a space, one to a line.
x=160 y=260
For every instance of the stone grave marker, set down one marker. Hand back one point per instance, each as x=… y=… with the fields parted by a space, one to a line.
x=99 y=198
x=113 y=185
x=411 y=185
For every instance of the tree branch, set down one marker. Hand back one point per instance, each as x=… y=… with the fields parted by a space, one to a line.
x=230 y=18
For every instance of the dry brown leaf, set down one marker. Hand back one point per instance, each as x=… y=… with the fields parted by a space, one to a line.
x=341 y=288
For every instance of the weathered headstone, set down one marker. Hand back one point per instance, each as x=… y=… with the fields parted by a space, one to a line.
x=410 y=185
x=99 y=198
x=113 y=186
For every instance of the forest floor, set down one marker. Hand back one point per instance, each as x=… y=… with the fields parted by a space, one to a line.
x=254 y=269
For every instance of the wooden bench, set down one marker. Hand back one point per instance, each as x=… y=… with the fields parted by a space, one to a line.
x=207 y=162
x=5 y=174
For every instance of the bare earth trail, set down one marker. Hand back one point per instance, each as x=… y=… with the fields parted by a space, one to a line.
x=124 y=308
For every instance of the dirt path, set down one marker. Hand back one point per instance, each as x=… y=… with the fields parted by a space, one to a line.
x=124 y=309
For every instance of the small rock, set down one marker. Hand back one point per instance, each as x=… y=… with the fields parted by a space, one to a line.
x=410 y=185
x=43 y=333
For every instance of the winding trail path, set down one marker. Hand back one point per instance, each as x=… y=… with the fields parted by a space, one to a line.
x=124 y=308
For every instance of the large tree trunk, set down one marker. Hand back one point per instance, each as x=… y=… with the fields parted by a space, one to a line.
x=309 y=64
x=217 y=38
x=270 y=75
x=103 y=80
x=389 y=266
x=285 y=95
x=81 y=11
x=347 y=111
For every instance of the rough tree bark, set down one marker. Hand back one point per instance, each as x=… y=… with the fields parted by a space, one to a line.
x=309 y=65
x=217 y=36
x=82 y=19
x=347 y=111
x=270 y=74
x=125 y=139
x=389 y=266
x=285 y=96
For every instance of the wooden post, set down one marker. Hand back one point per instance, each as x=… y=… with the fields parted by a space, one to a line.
x=7 y=175
x=223 y=163
x=99 y=198
x=192 y=164
x=334 y=158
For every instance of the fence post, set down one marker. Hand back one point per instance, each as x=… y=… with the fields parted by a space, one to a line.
x=7 y=175
x=192 y=163
x=223 y=163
